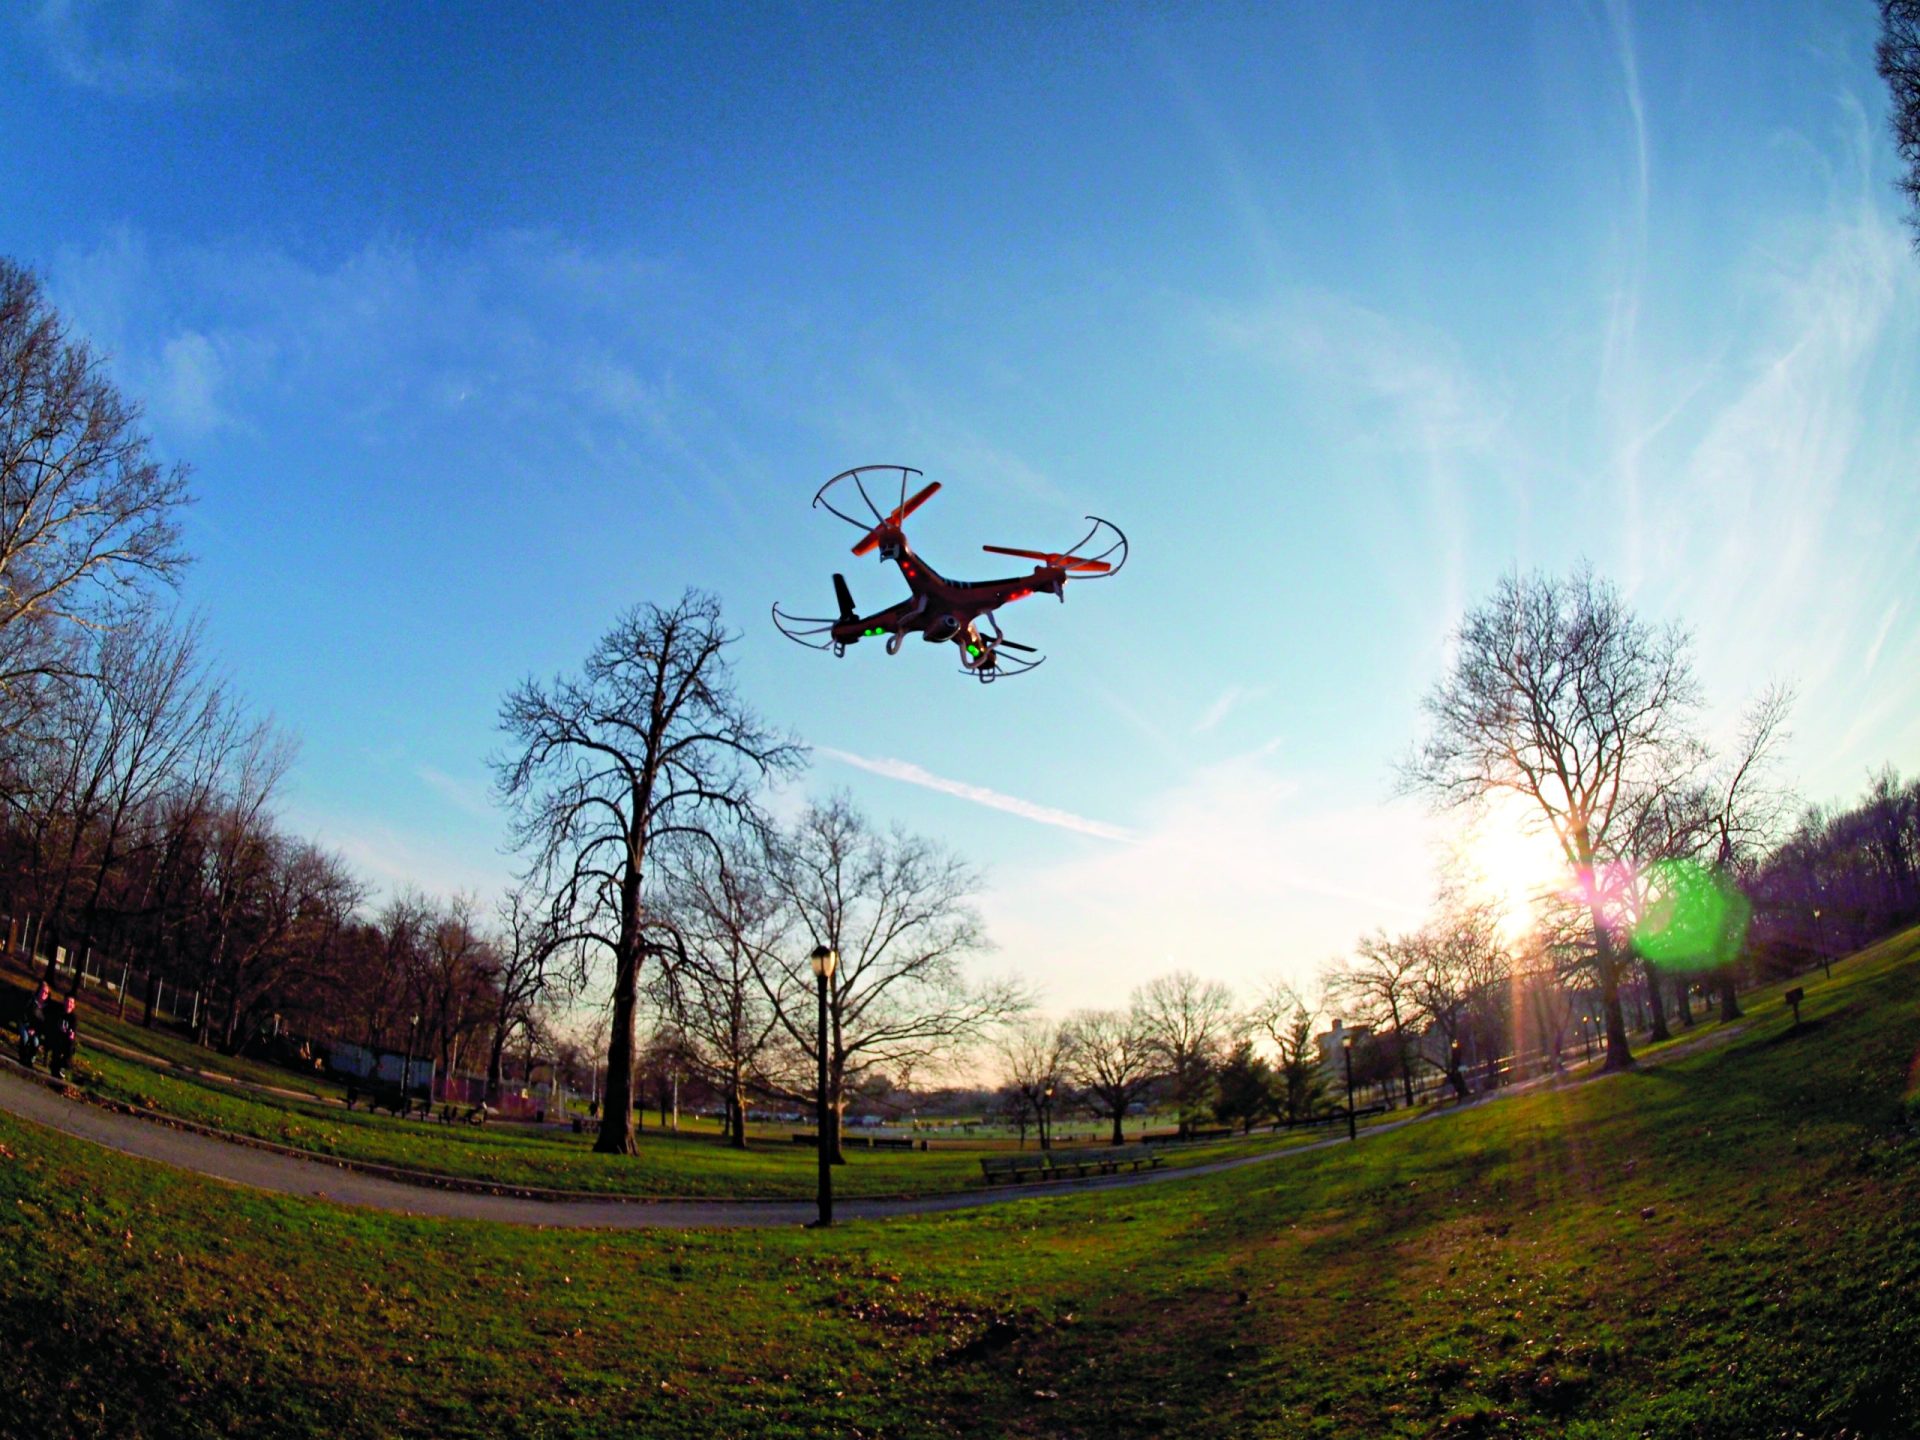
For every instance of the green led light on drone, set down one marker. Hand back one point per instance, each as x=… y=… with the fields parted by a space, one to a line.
x=973 y=649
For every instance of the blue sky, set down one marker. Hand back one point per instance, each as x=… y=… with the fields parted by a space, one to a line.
x=479 y=324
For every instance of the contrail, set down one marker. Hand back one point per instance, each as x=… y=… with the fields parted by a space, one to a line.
x=979 y=795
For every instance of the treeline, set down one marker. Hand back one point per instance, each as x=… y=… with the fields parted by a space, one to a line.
x=139 y=833
x=1840 y=879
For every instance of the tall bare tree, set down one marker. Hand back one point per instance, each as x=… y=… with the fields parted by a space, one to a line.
x=1561 y=695
x=1189 y=1023
x=727 y=911
x=1111 y=1062
x=1898 y=57
x=899 y=910
x=1035 y=1056
x=518 y=978
x=1379 y=988
x=88 y=516
x=1461 y=984
x=649 y=741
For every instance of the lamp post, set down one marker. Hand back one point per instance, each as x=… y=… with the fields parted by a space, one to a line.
x=1826 y=957
x=1046 y=1119
x=406 y=1071
x=1586 y=1034
x=824 y=959
x=1346 y=1048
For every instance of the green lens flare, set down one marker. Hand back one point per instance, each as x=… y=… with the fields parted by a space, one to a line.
x=1695 y=919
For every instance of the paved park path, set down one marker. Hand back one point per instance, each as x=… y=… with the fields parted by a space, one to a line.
x=316 y=1179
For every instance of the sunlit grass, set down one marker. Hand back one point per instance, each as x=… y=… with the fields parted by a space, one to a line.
x=1726 y=1245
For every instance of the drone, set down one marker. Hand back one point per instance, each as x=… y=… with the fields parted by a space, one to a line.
x=940 y=609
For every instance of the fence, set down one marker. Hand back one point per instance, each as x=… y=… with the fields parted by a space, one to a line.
x=26 y=950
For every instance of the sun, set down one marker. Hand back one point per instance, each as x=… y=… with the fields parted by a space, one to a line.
x=1507 y=860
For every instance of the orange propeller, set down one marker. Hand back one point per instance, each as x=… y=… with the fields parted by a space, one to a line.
x=873 y=536
x=1058 y=562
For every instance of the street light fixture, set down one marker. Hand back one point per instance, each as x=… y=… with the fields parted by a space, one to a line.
x=1346 y=1046
x=406 y=1071
x=824 y=959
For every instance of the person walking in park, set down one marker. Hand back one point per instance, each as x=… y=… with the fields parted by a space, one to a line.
x=63 y=1038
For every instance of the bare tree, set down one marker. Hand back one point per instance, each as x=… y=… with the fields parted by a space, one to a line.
x=1286 y=1018
x=1559 y=694
x=1034 y=1055
x=1898 y=57
x=1460 y=985
x=1111 y=1062
x=517 y=979
x=453 y=981
x=240 y=859
x=87 y=514
x=1379 y=988
x=899 y=911
x=1747 y=808
x=726 y=910
x=648 y=742
x=1189 y=1024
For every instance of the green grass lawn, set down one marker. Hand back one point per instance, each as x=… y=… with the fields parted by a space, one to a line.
x=1727 y=1245
x=694 y=1165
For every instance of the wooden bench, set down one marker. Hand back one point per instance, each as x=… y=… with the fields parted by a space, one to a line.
x=1107 y=1161
x=474 y=1115
x=1012 y=1169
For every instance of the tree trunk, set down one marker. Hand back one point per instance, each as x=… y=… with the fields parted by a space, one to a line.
x=1729 y=1004
x=1683 y=999
x=1619 y=1056
x=616 y=1116
x=1118 y=1137
x=1655 y=1003
x=737 y=1117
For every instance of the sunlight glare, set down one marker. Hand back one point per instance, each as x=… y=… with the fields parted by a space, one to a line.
x=1507 y=860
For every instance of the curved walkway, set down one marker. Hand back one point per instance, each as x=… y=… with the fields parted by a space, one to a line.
x=315 y=1179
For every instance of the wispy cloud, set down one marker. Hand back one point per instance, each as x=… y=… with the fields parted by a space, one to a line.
x=1224 y=703
x=1238 y=872
x=142 y=49
x=911 y=774
x=470 y=797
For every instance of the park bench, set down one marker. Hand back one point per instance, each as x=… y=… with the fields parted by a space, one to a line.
x=1107 y=1161
x=1012 y=1169
x=474 y=1115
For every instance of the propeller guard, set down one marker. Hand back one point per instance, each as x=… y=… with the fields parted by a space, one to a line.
x=802 y=630
x=1106 y=541
x=994 y=664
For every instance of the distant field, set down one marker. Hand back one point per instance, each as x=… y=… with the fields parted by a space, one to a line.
x=1723 y=1247
x=693 y=1164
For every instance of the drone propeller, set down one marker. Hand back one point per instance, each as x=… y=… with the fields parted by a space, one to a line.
x=1045 y=557
x=907 y=507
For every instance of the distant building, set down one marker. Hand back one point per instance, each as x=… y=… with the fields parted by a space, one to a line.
x=1332 y=1059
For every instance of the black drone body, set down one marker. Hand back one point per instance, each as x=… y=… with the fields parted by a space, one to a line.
x=940 y=609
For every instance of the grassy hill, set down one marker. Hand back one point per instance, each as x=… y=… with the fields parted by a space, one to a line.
x=1725 y=1245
